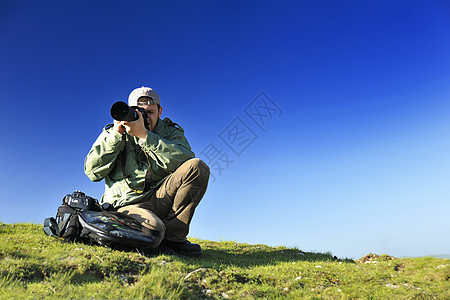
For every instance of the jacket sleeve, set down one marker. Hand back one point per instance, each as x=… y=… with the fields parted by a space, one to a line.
x=103 y=154
x=167 y=153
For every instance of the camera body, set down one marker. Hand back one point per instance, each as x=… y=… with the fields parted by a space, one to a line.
x=81 y=201
x=120 y=111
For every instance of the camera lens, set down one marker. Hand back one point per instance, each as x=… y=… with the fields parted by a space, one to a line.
x=120 y=111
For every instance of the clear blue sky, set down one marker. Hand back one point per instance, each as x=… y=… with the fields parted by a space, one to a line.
x=353 y=159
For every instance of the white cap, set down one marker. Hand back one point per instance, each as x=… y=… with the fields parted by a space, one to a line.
x=142 y=92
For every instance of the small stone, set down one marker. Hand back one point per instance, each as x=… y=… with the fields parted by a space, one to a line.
x=207 y=292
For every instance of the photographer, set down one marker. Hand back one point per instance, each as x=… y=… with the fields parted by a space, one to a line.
x=150 y=173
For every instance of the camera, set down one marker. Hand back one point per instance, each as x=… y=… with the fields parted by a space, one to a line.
x=81 y=201
x=120 y=111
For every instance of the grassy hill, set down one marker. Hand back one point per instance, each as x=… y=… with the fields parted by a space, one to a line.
x=33 y=265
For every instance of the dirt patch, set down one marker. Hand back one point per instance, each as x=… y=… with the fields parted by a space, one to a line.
x=374 y=258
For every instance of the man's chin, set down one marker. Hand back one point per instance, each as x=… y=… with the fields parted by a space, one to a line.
x=151 y=124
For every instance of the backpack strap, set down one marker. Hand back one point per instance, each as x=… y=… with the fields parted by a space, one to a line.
x=63 y=221
x=51 y=227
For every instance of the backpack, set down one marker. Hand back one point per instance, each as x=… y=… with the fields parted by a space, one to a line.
x=81 y=218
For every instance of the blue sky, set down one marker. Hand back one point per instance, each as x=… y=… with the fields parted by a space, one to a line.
x=353 y=159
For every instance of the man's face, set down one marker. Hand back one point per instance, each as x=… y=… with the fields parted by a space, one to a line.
x=153 y=113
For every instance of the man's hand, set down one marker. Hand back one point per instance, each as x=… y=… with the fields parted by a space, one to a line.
x=118 y=126
x=134 y=128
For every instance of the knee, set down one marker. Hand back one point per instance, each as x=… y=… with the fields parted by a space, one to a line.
x=143 y=216
x=200 y=167
x=156 y=228
x=157 y=225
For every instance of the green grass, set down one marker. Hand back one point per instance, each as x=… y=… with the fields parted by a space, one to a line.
x=35 y=266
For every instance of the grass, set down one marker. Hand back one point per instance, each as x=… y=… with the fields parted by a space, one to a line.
x=35 y=266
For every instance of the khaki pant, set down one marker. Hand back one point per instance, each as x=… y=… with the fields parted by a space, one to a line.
x=169 y=210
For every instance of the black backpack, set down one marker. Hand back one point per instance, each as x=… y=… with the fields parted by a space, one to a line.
x=81 y=218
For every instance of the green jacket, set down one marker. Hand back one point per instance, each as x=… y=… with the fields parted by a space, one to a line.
x=123 y=163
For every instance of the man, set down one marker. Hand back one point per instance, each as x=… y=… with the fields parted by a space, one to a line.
x=150 y=173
